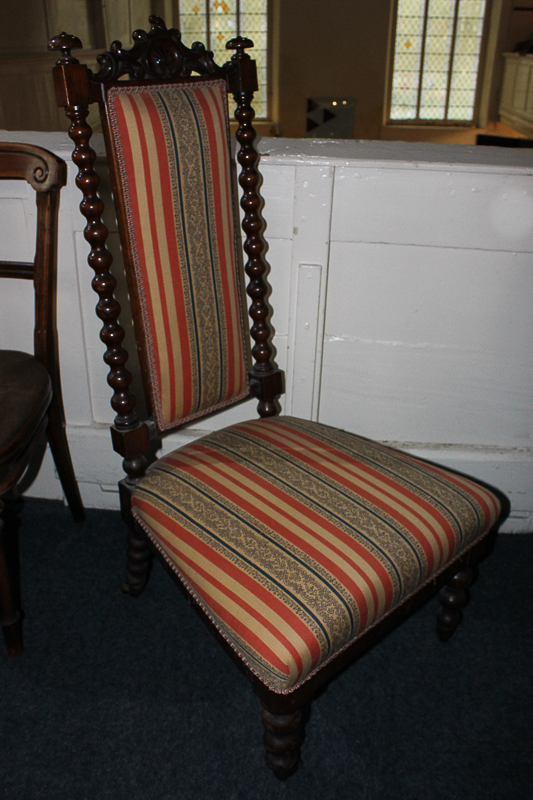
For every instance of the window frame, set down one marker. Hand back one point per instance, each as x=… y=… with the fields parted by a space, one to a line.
x=417 y=122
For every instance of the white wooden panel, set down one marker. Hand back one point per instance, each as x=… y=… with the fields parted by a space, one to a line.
x=74 y=371
x=432 y=297
x=17 y=222
x=278 y=278
x=312 y=220
x=16 y=315
x=277 y=191
x=408 y=394
x=306 y=334
x=17 y=243
x=420 y=346
x=100 y=391
x=420 y=206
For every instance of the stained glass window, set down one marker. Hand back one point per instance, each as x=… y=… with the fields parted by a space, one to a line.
x=215 y=21
x=436 y=59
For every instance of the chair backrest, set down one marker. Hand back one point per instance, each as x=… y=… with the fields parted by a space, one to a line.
x=47 y=174
x=168 y=145
x=170 y=155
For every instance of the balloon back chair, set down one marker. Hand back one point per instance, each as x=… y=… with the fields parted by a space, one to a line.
x=30 y=387
x=298 y=544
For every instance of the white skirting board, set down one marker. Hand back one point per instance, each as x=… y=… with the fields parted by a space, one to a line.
x=99 y=469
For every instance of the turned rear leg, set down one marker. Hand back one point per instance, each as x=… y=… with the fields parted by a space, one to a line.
x=57 y=439
x=453 y=598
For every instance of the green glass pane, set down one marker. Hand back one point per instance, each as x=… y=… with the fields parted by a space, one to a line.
x=403 y=112
x=214 y=22
x=223 y=26
x=193 y=21
x=410 y=8
x=466 y=59
x=441 y=69
x=410 y=26
x=442 y=8
x=407 y=62
x=253 y=24
x=407 y=55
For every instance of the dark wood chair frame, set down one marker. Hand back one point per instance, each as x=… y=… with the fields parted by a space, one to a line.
x=156 y=55
x=46 y=173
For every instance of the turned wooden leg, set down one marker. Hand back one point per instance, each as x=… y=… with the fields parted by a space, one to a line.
x=139 y=562
x=453 y=598
x=10 y=616
x=284 y=734
x=57 y=439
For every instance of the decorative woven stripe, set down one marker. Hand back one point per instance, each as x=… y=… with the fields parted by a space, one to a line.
x=173 y=153
x=296 y=537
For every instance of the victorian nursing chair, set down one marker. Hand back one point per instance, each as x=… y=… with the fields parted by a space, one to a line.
x=298 y=544
x=31 y=403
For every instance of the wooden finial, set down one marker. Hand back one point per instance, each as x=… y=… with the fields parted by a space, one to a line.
x=65 y=42
x=239 y=44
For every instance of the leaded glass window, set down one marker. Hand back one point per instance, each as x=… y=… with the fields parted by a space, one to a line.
x=436 y=59
x=215 y=21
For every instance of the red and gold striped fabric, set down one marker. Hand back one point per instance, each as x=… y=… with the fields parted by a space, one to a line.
x=296 y=537
x=172 y=147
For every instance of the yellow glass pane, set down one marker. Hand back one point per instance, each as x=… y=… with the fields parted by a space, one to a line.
x=214 y=22
x=253 y=18
x=407 y=56
x=420 y=87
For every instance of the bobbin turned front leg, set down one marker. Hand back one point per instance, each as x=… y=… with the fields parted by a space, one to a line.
x=453 y=598
x=283 y=737
x=139 y=562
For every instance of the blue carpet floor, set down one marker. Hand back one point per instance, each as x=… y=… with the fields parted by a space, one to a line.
x=134 y=700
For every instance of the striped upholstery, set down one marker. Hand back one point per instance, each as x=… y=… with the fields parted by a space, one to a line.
x=296 y=537
x=172 y=148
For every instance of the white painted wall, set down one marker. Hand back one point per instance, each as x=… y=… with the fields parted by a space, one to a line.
x=402 y=278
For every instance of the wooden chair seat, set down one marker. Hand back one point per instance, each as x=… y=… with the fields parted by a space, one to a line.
x=25 y=395
x=295 y=537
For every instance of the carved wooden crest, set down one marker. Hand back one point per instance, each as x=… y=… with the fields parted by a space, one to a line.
x=158 y=53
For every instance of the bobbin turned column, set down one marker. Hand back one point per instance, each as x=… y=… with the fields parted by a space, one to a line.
x=130 y=437
x=266 y=380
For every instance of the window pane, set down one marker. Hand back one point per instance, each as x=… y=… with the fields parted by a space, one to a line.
x=214 y=22
x=435 y=71
x=253 y=24
x=466 y=59
x=437 y=55
x=407 y=55
x=193 y=23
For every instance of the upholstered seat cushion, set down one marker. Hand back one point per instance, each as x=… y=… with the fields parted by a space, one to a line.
x=25 y=394
x=296 y=537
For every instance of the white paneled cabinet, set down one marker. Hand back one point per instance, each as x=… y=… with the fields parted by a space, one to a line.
x=402 y=278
